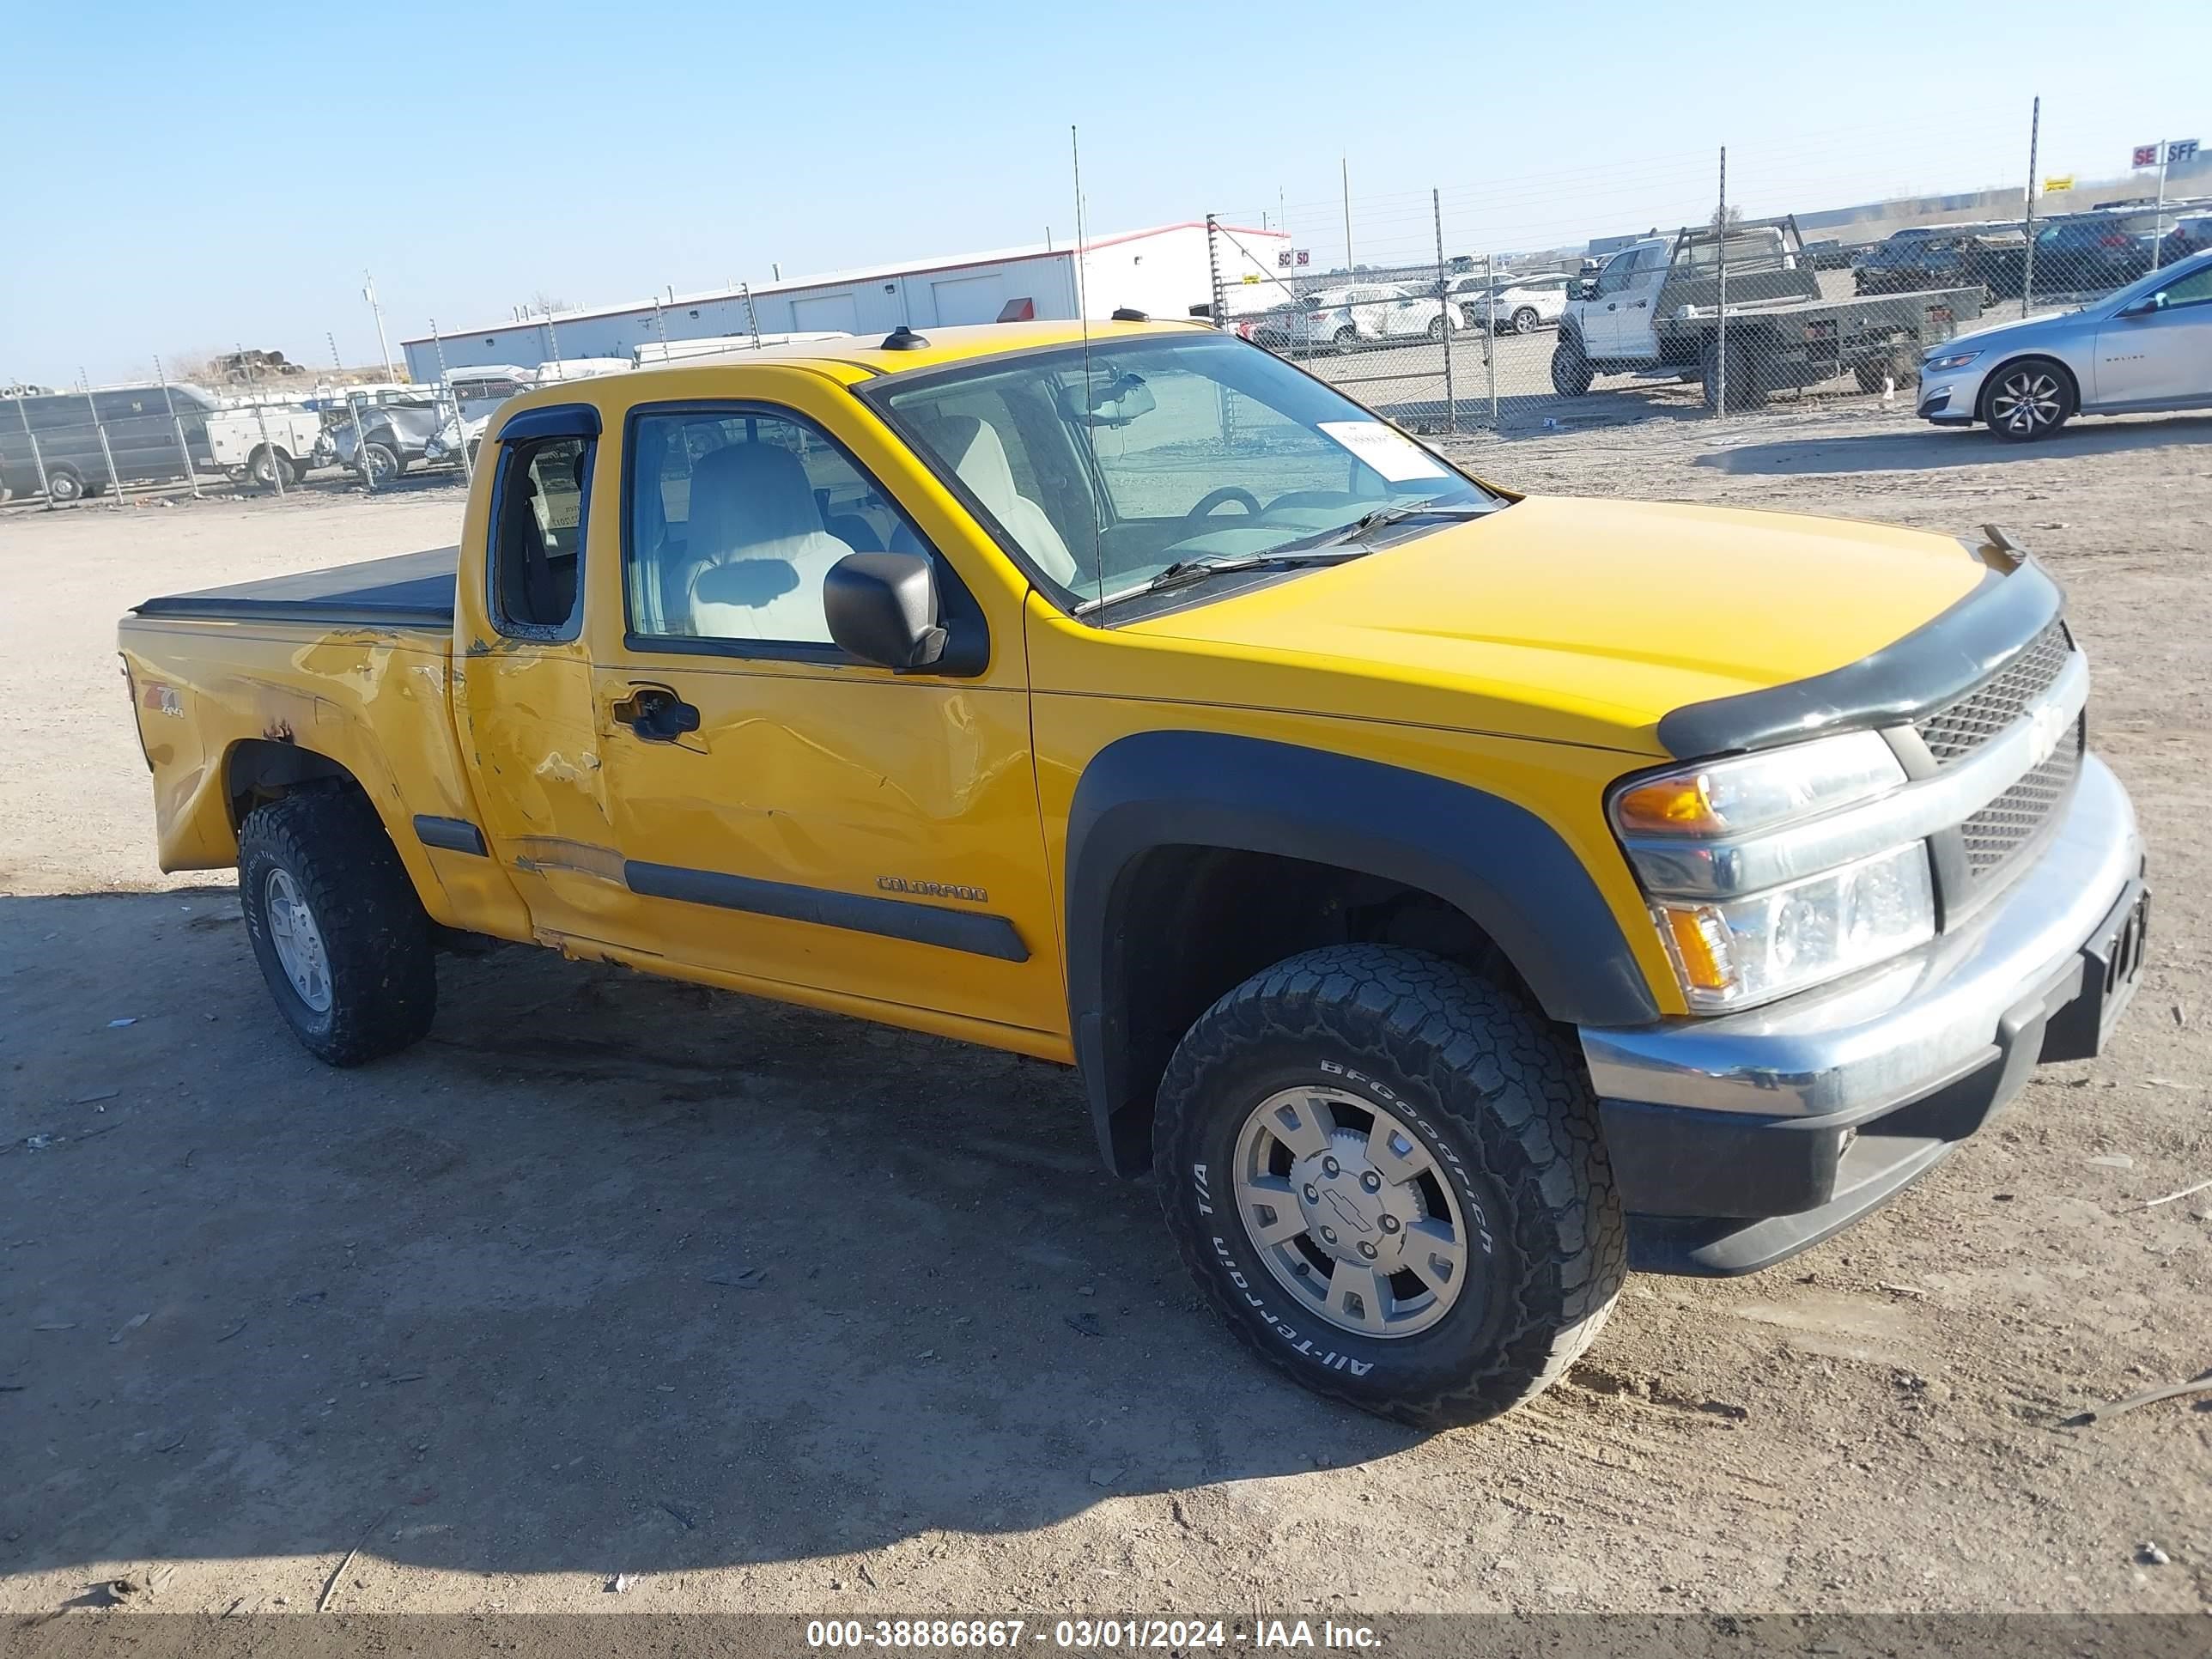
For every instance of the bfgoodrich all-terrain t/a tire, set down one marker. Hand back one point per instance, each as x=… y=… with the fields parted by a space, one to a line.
x=1387 y=1175
x=341 y=937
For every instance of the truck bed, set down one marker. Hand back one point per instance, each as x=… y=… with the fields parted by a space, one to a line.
x=413 y=589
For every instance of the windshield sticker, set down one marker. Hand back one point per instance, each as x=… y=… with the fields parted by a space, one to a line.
x=1389 y=450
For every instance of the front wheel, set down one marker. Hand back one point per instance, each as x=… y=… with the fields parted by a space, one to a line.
x=342 y=938
x=1387 y=1176
x=63 y=483
x=1436 y=328
x=380 y=464
x=1345 y=339
x=1571 y=372
x=2028 y=400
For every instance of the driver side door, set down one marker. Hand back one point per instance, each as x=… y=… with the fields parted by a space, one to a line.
x=2162 y=356
x=790 y=817
x=1603 y=325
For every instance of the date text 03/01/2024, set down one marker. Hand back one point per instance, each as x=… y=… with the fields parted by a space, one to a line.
x=1085 y=1634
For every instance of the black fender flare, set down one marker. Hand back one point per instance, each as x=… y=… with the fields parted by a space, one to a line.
x=1497 y=862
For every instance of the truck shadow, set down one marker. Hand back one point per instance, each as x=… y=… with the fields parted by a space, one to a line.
x=1926 y=449
x=609 y=1275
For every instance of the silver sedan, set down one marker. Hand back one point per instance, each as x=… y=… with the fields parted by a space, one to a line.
x=2147 y=347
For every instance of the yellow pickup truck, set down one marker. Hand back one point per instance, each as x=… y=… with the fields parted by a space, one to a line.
x=1456 y=899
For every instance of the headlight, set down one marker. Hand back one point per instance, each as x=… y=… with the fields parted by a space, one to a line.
x=1758 y=792
x=1745 y=951
x=1950 y=360
x=1763 y=881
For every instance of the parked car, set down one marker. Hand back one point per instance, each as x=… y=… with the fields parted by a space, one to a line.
x=2191 y=234
x=1991 y=255
x=2091 y=252
x=1827 y=253
x=1451 y=899
x=1520 y=305
x=395 y=428
x=1367 y=314
x=140 y=422
x=2148 y=347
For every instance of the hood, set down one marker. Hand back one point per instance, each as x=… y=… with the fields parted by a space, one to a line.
x=2001 y=336
x=1580 y=620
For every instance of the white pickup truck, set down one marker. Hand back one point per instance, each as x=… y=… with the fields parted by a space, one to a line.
x=250 y=443
x=1656 y=310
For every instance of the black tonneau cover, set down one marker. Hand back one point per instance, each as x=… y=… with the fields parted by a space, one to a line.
x=414 y=590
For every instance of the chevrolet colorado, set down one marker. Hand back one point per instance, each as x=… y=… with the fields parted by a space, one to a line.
x=1455 y=899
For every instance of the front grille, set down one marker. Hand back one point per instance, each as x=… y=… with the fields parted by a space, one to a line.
x=1954 y=732
x=2011 y=821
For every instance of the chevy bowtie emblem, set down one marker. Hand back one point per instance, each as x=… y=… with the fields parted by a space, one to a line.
x=2048 y=725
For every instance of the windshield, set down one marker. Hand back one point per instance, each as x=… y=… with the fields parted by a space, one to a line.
x=1102 y=470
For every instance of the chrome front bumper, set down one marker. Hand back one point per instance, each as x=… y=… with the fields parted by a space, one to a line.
x=1816 y=1108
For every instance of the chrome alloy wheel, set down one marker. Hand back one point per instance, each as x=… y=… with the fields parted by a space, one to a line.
x=1350 y=1212
x=299 y=942
x=2028 y=400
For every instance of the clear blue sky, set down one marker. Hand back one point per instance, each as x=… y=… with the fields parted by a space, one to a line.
x=184 y=177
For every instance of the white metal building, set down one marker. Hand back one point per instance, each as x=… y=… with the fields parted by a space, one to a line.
x=1164 y=271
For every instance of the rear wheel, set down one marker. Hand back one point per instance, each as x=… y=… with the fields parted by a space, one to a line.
x=1571 y=372
x=1525 y=321
x=1345 y=339
x=1387 y=1175
x=1744 y=390
x=64 y=483
x=261 y=467
x=342 y=938
x=2029 y=399
x=1436 y=328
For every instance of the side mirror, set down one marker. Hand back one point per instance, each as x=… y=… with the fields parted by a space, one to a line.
x=882 y=607
x=2148 y=305
x=1586 y=288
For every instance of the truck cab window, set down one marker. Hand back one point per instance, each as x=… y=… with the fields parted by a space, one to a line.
x=735 y=516
x=537 y=536
x=1619 y=272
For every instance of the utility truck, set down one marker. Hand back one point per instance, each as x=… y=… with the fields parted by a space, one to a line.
x=1667 y=309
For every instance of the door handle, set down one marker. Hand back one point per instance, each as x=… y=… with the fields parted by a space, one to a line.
x=1640 y=304
x=656 y=713
x=1612 y=305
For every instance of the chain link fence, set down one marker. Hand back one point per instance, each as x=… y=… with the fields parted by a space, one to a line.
x=1722 y=304
x=1583 y=299
x=247 y=420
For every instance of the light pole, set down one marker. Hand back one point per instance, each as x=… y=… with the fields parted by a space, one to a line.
x=383 y=345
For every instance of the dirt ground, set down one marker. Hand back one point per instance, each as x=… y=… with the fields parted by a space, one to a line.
x=769 y=1310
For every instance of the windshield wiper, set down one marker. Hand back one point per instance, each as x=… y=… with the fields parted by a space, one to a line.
x=1185 y=571
x=1324 y=548
x=1383 y=517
